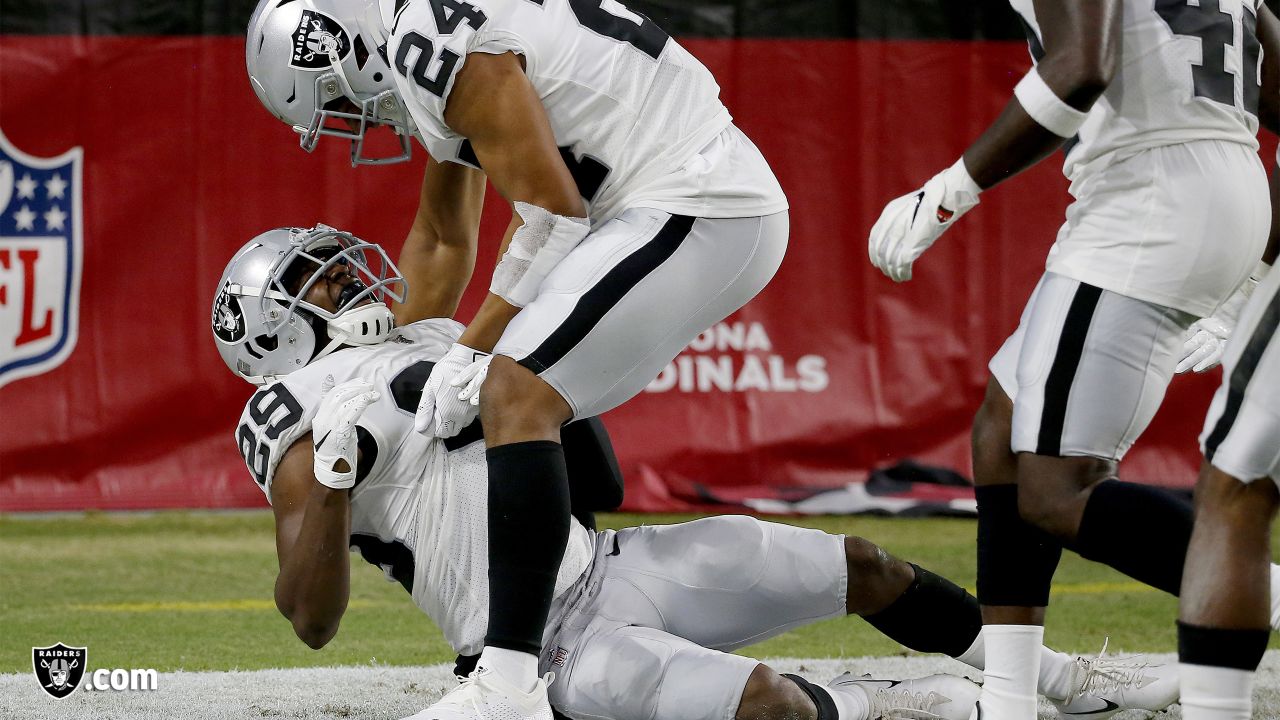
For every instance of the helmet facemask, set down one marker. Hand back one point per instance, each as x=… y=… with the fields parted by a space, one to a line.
x=362 y=316
x=339 y=115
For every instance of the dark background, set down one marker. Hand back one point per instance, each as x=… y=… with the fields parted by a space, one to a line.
x=883 y=19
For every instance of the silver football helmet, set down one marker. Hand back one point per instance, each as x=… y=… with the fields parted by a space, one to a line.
x=321 y=66
x=263 y=326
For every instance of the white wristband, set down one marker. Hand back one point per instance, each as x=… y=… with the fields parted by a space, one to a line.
x=1047 y=108
x=1260 y=272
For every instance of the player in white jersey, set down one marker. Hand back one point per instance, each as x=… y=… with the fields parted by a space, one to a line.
x=1225 y=618
x=642 y=616
x=1156 y=105
x=641 y=216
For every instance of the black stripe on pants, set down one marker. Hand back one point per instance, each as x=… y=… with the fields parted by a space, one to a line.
x=608 y=292
x=1057 y=388
x=1242 y=374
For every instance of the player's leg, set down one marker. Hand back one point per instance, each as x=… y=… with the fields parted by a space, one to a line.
x=1102 y=364
x=609 y=317
x=660 y=597
x=1091 y=369
x=1016 y=561
x=1225 y=609
x=1223 y=626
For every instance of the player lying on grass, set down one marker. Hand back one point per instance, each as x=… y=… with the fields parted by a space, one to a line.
x=643 y=618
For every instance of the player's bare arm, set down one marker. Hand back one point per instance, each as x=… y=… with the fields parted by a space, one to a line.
x=494 y=105
x=313 y=530
x=1269 y=99
x=439 y=253
x=1082 y=45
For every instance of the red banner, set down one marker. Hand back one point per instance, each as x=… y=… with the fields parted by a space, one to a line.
x=832 y=371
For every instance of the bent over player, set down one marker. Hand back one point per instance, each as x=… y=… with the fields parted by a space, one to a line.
x=641 y=216
x=1157 y=106
x=641 y=617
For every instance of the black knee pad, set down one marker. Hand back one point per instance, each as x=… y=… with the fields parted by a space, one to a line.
x=819 y=695
x=1016 y=560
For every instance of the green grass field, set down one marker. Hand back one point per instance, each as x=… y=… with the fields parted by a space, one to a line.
x=193 y=591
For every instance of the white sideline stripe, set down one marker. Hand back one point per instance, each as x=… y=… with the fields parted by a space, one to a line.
x=379 y=692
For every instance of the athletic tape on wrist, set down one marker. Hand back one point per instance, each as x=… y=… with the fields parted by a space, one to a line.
x=536 y=248
x=1046 y=108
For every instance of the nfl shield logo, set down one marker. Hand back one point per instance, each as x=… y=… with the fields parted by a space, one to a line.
x=41 y=256
x=59 y=668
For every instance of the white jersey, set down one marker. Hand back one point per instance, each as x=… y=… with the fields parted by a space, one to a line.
x=1188 y=71
x=419 y=507
x=637 y=118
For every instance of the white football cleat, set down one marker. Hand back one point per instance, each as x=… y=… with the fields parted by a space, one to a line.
x=1103 y=686
x=485 y=695
x=936 y=697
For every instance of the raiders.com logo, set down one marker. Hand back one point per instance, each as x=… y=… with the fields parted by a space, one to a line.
x=318 y=42
x=59 y=668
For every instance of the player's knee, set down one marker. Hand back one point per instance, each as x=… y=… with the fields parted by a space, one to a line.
x=1053 y=491
x=514 y=398
x=876 y=578
x=770 y=696
x=1221 y=498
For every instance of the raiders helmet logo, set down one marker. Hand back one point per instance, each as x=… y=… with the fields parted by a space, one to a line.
x=228 y=318
x=319 y=42
x=59 y=668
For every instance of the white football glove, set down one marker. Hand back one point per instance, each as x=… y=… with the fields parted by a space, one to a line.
x=1205 y=342
x=911 y=223
x=443 y=411
x=471 y=379
x=334 y=431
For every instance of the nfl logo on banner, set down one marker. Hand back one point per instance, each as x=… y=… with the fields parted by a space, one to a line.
x=41 y=254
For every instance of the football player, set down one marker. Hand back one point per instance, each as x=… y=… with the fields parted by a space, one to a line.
x=641 y=216
x=1157 y=106
x=641 y=617
x=1224 y=624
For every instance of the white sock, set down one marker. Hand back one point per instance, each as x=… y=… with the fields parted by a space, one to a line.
x=518 y=668
x=1215 y=693
x=1012 y=671
x=1055 y=668
x=851 y=702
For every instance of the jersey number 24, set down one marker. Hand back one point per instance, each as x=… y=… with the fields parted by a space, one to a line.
x=645 y=36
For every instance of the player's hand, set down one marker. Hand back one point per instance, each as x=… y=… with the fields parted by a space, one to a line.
x=1203 y=345
x=441 y=412
x=334 y=431
x=471 y=379
x=1205 y=341
x=911 y=223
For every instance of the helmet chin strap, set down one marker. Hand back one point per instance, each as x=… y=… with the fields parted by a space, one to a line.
x=366 y=325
